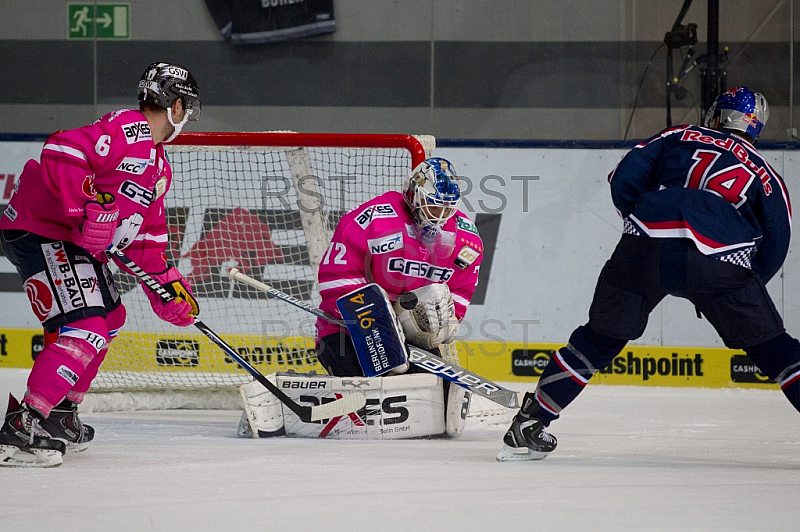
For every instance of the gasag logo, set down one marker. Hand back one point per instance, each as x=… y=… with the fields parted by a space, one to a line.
x=136 y=193
x=414 y=268
x=386 y=244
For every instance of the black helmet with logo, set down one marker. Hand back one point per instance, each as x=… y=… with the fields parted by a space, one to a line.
x=163 y=83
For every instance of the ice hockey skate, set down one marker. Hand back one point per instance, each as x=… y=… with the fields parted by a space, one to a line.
x=64 y=424
x=24 y=443
x=526 y=438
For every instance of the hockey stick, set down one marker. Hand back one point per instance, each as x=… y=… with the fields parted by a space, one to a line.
x=417 y=356
x=307 y=414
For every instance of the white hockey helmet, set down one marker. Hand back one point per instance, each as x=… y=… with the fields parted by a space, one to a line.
x=432 y=193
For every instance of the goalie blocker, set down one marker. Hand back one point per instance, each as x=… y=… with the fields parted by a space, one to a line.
x=373 y=327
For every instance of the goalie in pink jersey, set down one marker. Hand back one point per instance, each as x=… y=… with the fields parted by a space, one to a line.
x=417 y=246
x=93 y=186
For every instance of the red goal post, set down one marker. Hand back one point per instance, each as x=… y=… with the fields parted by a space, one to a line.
x=416 y=146
x=267 y=204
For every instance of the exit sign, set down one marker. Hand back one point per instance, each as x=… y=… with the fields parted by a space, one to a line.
x=99 y=21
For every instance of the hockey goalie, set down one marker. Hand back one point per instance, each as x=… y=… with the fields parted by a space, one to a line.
x=400 y=268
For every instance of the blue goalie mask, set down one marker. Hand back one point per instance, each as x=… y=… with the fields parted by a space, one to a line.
x=432 y=193
x=740 y=109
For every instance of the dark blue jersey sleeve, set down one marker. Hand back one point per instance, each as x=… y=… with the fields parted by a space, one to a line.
x=772 y=209
x=637 y=172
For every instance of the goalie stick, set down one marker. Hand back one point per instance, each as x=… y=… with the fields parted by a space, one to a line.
x=339 y=407
x=417 y=356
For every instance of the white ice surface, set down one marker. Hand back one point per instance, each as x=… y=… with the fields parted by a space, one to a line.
x=629 y=458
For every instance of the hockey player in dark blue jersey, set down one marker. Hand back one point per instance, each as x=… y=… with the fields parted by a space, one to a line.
x=706 y=219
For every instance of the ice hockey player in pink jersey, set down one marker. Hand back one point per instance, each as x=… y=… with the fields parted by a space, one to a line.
x=416 y=242
x=93 y=186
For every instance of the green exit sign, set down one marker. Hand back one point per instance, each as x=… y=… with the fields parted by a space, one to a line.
x=99 y=21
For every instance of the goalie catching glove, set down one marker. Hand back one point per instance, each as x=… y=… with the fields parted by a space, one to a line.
x=428 y=316
x=181 y=310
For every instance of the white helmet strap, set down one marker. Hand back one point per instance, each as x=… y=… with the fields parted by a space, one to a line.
x=178 y=127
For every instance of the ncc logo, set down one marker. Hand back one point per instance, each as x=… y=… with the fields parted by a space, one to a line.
x=133 y=165
x=378 y=246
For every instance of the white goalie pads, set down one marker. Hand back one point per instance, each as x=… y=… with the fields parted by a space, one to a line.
x=457 y=399
x=431 y=321
x=263 y=411
x=398 y=407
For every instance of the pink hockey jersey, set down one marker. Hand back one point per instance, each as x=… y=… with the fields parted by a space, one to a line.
x=377 y=243
x=116 y=154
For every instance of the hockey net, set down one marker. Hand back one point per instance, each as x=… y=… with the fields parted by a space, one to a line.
x=267 y=204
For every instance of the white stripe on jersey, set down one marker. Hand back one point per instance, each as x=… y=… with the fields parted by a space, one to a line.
x=152 y=238
x=338 y=283
x=67 y=150
x=460 y=300
x=687 y=232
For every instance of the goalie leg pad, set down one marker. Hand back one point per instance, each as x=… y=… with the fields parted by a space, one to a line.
x=457 y=403
x=263 y=412
x=398 y=407
x=457 y=399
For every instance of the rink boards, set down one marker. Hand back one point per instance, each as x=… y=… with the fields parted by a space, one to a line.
x=698 y=367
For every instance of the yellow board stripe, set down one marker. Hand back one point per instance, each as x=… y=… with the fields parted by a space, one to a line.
x=697 y=367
